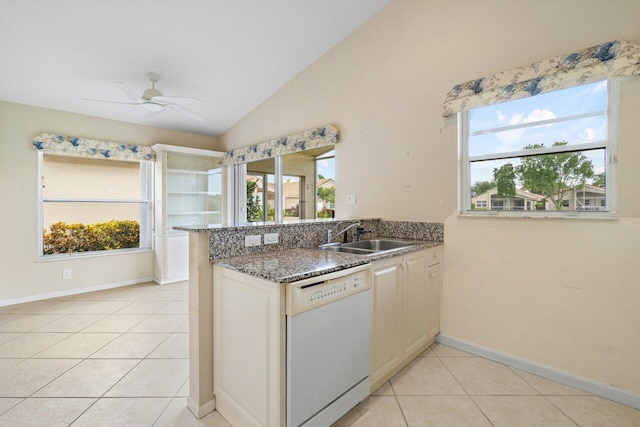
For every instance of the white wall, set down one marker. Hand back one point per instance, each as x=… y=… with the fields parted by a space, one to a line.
x=22 y=275
x=560 y=293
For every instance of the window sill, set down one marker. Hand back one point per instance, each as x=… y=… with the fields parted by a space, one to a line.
x=96 y=254
x=563 y=215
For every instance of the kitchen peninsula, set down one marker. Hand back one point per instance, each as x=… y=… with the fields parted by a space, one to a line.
x=294 y=257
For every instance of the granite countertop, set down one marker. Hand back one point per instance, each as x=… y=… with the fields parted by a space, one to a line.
x=291 y=265
x=202 y=228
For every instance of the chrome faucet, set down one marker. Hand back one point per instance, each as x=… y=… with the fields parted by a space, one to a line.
x=330 y=235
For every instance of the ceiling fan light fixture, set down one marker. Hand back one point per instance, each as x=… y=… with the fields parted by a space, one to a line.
x=154 y=101
x=153 y=106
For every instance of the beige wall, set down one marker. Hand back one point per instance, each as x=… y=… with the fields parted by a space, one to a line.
x=22 y=274
x=572 y=304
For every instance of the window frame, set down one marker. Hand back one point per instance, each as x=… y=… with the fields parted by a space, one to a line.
x=237 y=202
x=146 y=213
x=609 y=144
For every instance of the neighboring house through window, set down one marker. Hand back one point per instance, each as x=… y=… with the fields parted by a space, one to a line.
x=306 y=190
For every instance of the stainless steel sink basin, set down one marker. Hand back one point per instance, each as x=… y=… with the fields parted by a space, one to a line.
x=368 y=247
x=378 y=244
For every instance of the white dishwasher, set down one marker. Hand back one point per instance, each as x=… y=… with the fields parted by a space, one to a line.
x=328 y=347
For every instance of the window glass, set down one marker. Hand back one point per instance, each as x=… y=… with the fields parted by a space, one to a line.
x=305 y=187
x=544 y=153
x=93 y=205
x=293 y=192
x=89 y=178
x=326 y=185
x=261 y=194
x=194 y=191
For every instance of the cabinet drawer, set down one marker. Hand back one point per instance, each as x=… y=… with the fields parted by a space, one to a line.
x=434 y=255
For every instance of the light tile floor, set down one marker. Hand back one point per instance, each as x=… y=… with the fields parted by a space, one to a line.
x=448 y=387
x=119 y=357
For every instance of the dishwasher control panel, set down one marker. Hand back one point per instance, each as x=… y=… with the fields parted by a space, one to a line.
x=306 y=295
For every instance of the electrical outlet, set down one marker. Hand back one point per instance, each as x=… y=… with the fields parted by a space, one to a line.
x=252 y=240
x=270 y=238
x=66 y=274
x=351 y=199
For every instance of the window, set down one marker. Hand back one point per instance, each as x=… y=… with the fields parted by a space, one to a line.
x=260 y=197
x=547 y=155
x=93 y=205
x=291 y=187
x=293 y=192
x=326 y=185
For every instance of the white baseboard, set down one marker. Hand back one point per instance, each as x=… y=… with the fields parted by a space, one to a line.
x=169 y=281
x=198 y=410
x=68 y=292
x=575 y=381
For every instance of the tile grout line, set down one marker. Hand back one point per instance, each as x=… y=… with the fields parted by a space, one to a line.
x=19 y=335
x=464 y=389
x=118 y=335
x=140 y=360
x=22 y=399
x=170 y=400
x=106 y=391
x=398 y=402
x=561 y=411
x=542 y=395
x=67 y=358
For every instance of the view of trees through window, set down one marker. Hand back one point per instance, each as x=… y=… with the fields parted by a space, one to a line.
x=260 y=197
x=326 y=185
x=307 y=190
x=546 y=152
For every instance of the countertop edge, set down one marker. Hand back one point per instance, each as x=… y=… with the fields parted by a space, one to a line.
x=349 y=262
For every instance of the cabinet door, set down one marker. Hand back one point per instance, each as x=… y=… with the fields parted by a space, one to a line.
x=248 y=349
x=386 y=328
x=415 y=311
x=434 y=284
x=176 y=263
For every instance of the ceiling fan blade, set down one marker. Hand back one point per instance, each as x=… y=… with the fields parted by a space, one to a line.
x=184 y=111
x=128 y=92
x=112 y=102
x=178 y=99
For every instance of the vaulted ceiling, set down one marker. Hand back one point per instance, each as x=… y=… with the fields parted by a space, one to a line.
x=231 y=54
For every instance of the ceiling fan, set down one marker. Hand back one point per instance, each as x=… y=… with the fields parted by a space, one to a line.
x=153 y=100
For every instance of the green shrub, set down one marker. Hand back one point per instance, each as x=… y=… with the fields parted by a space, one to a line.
x=62 y=238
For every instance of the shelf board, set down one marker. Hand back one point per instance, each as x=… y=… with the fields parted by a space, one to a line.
x=198 y=193
x=192 y=172
x=193 y=213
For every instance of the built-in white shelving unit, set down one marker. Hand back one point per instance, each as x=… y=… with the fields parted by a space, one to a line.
x=188 y=191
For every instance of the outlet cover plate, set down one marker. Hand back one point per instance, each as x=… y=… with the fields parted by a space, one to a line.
x=270 y=238
x=66 y=274
x=351 y=199
x=252 y=240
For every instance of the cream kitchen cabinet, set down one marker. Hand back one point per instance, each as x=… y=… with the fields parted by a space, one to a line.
x=290 y=354
x=405 y=311
x=249 y=348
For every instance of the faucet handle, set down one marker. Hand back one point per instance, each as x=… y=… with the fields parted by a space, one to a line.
x=361 y=231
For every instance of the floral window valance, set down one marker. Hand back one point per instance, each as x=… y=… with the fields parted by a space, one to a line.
x=91 y=148
x=605 y=61
x=301 y=141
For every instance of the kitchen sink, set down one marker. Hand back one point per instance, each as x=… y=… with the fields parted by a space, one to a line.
x=368 y=247
x=378 y=244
